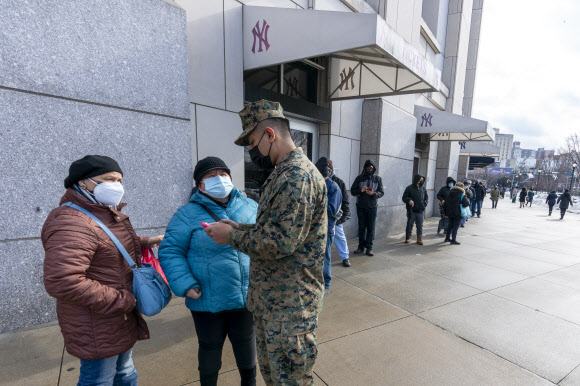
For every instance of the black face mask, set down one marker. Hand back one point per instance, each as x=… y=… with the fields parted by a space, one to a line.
x=262 y=161
x=369 y=172
x=421 y=183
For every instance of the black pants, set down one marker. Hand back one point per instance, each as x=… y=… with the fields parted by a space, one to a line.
x=452 y=228
x=212 y=329
x=550 y=207
x=442 y=222
x=562 y=212
x=366 y=227
x=494 y=204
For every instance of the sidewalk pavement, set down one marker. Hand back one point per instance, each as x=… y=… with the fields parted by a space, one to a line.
x=502 y=308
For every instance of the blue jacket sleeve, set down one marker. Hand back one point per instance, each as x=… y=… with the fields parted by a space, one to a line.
x=173 y=255
x=334 y=201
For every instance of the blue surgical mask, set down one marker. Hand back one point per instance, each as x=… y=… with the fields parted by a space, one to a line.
x=450 y=185
x=218 y=186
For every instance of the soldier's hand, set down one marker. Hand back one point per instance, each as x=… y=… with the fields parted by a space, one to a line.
x=219 y=232
x=233 y=224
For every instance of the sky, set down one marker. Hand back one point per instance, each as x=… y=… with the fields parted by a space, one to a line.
x=528 y=70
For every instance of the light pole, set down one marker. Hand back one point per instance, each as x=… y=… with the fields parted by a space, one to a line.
x=574 y=166
x=539 y=179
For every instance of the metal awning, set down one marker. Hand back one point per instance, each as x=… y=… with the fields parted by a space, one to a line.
x=367 y=57
x=444 y=126
x=478 y=149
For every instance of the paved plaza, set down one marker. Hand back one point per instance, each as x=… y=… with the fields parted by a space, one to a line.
x=503 y=308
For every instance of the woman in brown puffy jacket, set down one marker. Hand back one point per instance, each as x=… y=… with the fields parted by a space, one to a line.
x=88 y=276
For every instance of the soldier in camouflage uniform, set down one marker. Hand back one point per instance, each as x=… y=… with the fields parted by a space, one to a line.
x=286 y=247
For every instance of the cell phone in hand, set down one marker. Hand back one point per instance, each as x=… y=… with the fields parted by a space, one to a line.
x=370 y=189
x=204 y=224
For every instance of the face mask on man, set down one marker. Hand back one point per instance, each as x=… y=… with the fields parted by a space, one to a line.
x=262 y=161
x=450 y=184
x=108 y=193
x=421 y=182
x=218 y=186
x=369 y=171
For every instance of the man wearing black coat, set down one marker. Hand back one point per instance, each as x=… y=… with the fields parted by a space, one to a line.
x=339 y=237
x=479 y=195
x=367 y=188
x=441 y=196
x=564 y=200
x=551 y=201
x=455 y=201
x=416 y=199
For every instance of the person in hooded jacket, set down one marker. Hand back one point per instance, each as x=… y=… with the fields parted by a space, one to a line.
x=470 y=193
x=530 y=197
x=456 y=199
x=88 y=276
x=523 y=196
x=334 y=213
x=494 y=195
x=416 y=199
x=339 y=236
x=480 y=194
x=551 y=201
x=565 y=200
x=213 y=278
x=367 y=188
x=441 y=196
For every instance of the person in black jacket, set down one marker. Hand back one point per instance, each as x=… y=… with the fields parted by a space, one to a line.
x=523 y=195
x=479 y=195
x=564 y=200
x=368 y=188
x=551 y=201
x=441 y=196
x=416 y=199
x=339 y=237
x=455 y=200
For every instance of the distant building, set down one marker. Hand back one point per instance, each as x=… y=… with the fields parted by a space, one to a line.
x=505 y=143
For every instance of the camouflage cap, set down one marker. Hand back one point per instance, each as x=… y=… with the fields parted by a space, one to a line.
x=255 y=112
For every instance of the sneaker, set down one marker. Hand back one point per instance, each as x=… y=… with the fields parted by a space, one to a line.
x=455 y=243
x=346 y=262
x=370 y=252
x=326 y=290
x=447 y=240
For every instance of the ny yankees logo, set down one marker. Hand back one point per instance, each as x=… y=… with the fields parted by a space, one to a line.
x=261 y=35
x=291 y=86
x=426 y=120
x=462 y=144
x=344 y=78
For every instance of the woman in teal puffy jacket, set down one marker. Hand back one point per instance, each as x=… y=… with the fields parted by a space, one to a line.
x=213 y=278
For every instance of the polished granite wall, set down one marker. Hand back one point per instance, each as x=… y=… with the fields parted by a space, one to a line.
x=81 y=78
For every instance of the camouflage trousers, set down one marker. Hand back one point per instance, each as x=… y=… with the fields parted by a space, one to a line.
x=286 y=350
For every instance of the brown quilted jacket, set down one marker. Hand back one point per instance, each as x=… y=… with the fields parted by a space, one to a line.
x=91 y=280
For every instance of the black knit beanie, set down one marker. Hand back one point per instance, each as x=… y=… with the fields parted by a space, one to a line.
x=208 y=164
x=90 y=166
x=323 y=166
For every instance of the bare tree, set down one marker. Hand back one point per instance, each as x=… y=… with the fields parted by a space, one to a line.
x=571 y=149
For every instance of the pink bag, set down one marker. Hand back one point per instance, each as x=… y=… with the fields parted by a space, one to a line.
x=150 y=258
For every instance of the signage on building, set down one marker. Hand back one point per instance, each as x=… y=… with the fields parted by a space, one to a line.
x=367 y=57
x=500 y=171
x=445 y=126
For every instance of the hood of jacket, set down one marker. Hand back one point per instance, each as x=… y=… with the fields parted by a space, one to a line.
x=369 y=163
x=553 y=191
x=458 y=188
x=416 y=179
x=450 y=179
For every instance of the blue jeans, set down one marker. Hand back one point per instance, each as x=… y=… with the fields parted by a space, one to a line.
x=326 y=270
x=477 y=207
x=117 y=370
x=340 y=242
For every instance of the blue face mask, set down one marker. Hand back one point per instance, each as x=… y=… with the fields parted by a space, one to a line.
x=450 y=184
x=218 y=186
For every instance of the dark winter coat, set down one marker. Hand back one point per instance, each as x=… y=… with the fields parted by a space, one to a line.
x=416 y=193
x=371 y=180
x=453 y=202
x=565 y=200
x=552 y=197
x=494 y=195
x=479 y=192
x=523 y=195
x=444 y=191
x=90 y=279
x=345 y=206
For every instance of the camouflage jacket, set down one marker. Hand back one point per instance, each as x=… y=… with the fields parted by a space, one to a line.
x=287 y=243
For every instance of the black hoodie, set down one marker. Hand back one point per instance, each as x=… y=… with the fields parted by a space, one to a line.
x=371 y=180
x=444 y=191
x=416 y=193
x=565 y=200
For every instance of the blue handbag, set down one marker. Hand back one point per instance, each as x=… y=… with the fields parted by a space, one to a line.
x=465 y=211
x=149 y=288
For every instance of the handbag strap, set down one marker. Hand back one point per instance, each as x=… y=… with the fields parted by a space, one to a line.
x=208 y=210
x=114 y=238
